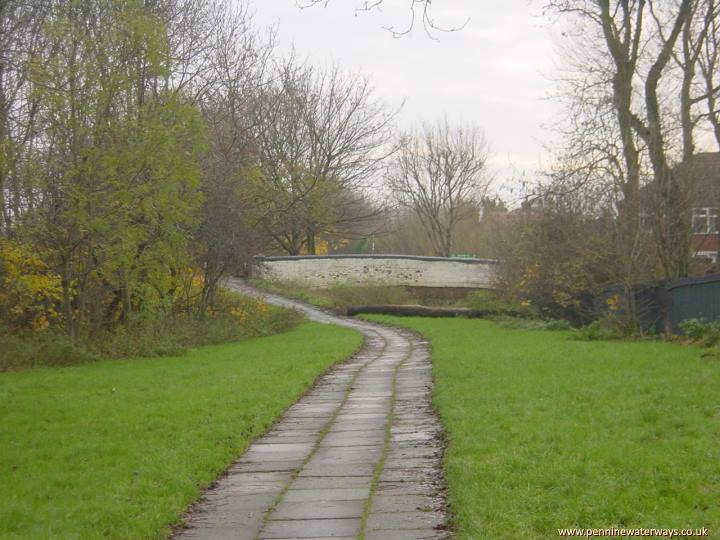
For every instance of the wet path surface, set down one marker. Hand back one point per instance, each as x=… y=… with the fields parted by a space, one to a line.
x=357 y=457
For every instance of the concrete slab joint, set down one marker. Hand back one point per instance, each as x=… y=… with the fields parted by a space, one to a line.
x=357 y=457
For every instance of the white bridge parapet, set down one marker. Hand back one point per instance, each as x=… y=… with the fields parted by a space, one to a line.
x=321 y=271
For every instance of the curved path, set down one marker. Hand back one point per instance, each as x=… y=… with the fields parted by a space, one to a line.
x=359 y=456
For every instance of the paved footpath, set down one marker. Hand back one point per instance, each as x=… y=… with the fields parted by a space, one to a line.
x=359 y=456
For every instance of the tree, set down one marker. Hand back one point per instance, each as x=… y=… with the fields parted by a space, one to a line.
x=555 y=249
x=436 y=172
x=112 y=192
x=420 y=11
x=655 y=103
x=228 y=236
x=320 y=137
x=21 y=38
x=709 y=64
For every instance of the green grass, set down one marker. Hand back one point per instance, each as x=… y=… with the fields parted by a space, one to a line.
x=548 y=432
x=119 y=448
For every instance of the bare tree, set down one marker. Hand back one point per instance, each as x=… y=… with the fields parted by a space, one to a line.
x=21 y=39
x=227 y=238
x=694 y=39
x=320 y=139
x=709 y=62
x=436 y=172
x=420 y=12
x=654 y=101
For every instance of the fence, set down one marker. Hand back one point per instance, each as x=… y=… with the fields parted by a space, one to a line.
x=661 y=307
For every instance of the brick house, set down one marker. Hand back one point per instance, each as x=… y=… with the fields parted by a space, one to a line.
x=702 y=174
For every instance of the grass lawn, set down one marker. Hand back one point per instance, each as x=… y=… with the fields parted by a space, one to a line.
x=548 y=432
x=118 y=449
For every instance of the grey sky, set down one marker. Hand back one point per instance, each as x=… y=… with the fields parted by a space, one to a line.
x=493 y=72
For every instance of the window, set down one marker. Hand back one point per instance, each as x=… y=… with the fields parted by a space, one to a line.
x=705 y=220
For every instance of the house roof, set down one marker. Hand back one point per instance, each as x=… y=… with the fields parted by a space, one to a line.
x=702 y=173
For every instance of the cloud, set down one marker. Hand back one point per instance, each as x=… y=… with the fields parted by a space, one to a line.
x=490 y=73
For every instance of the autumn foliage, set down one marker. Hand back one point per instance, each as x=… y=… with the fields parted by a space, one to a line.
x=30 y=292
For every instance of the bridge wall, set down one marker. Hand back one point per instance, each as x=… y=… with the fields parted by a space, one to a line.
x=327 y=270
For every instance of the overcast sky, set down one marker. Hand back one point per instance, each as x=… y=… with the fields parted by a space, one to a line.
x=494 y=72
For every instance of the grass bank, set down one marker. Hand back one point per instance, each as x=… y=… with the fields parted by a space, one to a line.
x=340 y=297
x=163 y=333
x=548 y=432
x=118 y=449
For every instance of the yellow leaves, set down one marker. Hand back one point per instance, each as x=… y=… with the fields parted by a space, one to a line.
x=31 y=290
x=614 y=302
x=240 y=314
x=244 y=310
x=530 y=274
x=189 y=286
x=322 y=247
x=564 y=299
x=248 y=309
x=40 y=323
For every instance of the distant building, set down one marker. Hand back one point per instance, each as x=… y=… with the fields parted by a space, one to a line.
x=702 y=174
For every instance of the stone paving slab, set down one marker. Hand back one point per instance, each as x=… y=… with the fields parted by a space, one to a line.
x=332 y=509
x=404 y=520
x=344 y=439
x=326 y=469
x=393 y=503
x=219 y=533
x=267 y=466
x=366 y=425
x=328 y=494
x=329 y=482
x=402 y=489
x=321 y=538
x=417 y=463
x=407 y=534
x=308 y=528
x=311 y=475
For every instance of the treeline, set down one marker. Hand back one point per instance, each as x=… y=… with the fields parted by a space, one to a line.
x=640 y=84
x=148 y=148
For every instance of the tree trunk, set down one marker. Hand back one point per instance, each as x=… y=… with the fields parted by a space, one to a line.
x=686 y=121
x=67 y=301
x=447 y=242
x=310 y=241
x=126 y=303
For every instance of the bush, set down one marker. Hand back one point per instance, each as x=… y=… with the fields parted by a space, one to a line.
x=706 y=333
x=492 y=301
x=29 y=291
x=603 y=329
x=234 y=317
x=558 y=324
x=519 y=323
x=39 y=348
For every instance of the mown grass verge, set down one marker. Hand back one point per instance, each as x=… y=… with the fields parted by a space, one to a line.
x=118 y=449
x=547 y=432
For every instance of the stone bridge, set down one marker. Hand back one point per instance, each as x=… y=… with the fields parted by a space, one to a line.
x=406 y=270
